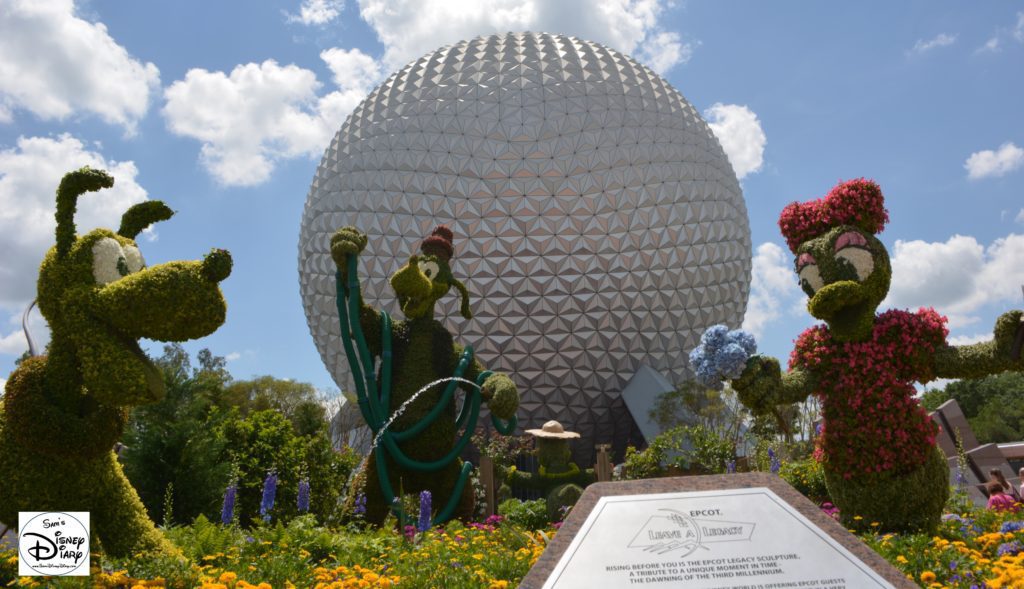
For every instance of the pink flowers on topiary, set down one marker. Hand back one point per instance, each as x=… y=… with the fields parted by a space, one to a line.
x=874 y=424
x=854 y=202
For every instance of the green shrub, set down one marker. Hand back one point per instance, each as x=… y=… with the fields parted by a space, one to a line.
x=696 y=449
x=530 y=515
x=903 y=502
x=808 y=477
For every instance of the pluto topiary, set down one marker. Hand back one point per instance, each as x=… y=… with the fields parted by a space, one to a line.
x=414 y=423
x=878 y=444
x=63 y=412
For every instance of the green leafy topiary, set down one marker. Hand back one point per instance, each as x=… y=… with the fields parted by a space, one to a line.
x=558 y=478
x=419 y=449
x=862 y=366
x=63 y=412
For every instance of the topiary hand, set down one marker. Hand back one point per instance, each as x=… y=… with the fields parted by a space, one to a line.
x=501 y=395
x=345 y=242
x=760 y=384
x=1008 y=335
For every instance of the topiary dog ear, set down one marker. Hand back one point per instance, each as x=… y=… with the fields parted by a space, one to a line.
x=72 y=185
x=142 y=215
x=464 y=307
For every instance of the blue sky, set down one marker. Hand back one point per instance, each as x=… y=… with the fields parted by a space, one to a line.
x=223 y=110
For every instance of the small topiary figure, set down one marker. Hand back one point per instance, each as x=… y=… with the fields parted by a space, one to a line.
x=878 y=444
x=63 y=412
x=419 y=449
x=558 y=478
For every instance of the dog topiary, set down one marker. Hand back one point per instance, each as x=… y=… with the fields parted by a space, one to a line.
x=419 y=449
x=878 y=444
x=63 y=412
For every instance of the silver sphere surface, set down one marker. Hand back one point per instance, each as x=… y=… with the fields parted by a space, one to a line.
x=598 y=223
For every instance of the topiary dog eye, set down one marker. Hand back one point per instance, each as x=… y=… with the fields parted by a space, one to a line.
x=133 y=257
x=108 y=261
x=429 y=269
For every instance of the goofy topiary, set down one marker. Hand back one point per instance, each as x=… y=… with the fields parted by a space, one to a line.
x=419 y=450
x=63 y=412
x=878 y=444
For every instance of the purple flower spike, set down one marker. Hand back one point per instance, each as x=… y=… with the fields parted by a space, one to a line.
x=227 y=511
x=303 y=501
x=269 y=492
x=424 y=522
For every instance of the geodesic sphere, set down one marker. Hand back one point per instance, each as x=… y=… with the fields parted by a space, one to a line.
x=598 y=224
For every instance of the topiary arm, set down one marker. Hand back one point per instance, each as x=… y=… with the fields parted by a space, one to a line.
x=345 y=243
x=498 y=390
x=985 y=358
x=763 y=385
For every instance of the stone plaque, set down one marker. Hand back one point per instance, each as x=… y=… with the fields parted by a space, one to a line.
x=741 y=531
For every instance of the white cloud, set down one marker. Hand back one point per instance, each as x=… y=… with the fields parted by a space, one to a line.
x=956 y=277
x=989 y=163
x=773 y=288
x=966 y=340
x=261 y=113
x=317 y=12
x=29 y=175
x=1020 y=217
x=411 y=28
x=55 y=64
x=740 y=134
x=940 y=40
x=1018 y=29
x=14 y=343
x=990 y=46
x=232 y=356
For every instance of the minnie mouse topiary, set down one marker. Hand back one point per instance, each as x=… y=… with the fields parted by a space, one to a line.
x=878 y=444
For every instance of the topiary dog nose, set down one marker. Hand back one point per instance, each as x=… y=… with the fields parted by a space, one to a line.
x=216 y=265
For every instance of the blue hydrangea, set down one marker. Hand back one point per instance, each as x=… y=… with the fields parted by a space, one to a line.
x=732 y=360
x=715 y=337
x=721 y=355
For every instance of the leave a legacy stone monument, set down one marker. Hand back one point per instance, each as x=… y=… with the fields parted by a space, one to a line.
x=740 y=531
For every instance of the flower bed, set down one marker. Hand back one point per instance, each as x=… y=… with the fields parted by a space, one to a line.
x=978 y=549
x=303 y=555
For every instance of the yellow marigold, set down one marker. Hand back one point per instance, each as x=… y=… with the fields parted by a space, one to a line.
x=264 y=586
x=227 y=577
x=927 y=577
x=902 y=559
x=499 y=585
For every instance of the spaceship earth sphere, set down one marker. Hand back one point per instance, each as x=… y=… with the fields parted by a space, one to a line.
x=598 y=223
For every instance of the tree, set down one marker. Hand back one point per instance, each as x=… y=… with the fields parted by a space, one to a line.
x=171 y=441
x=993 y=405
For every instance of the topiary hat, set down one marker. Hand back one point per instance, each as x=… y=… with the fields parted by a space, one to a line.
x=855 y=202
x=439 y=243
x=552 y=429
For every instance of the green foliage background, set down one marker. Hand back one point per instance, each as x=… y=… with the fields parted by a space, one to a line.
x=993 y=405
x=211 y=429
